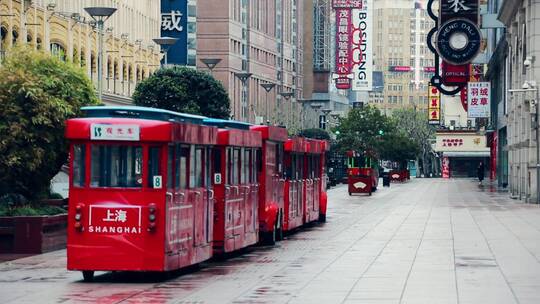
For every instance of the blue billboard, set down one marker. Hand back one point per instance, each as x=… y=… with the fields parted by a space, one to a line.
x=174 y=16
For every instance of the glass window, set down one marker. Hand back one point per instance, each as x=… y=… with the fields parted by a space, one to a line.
x=199 y=178
x=245 y=175
x=192 y=167
x=154 y=161
x=116 y=166
x=236 y=166
x=170 y=167
x=79 y=168
x=182 y=166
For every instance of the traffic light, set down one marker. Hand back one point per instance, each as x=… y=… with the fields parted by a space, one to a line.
x=381 y=132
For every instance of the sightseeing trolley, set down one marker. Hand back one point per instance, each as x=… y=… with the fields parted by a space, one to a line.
x=139 y=195
x=362 y=173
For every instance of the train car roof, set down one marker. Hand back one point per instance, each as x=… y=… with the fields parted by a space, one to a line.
x=226 y=124
x=141 y=113
x=271 y=132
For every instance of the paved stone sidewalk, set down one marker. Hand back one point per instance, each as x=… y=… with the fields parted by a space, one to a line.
x=425 y=241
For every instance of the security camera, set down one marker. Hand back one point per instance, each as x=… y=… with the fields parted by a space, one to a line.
x=525 y=85
x=528 y=62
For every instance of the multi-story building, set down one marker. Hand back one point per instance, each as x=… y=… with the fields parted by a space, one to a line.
x=322 y=100
x=63 y=28
x=256 y=43
x=519 y=94
x=401 y=54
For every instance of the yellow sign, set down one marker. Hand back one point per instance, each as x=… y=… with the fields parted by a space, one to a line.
x=434 y=106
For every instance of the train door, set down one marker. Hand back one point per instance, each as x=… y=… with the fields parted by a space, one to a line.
x=172 y=207
x=309 y=199
x=248 y=196
x=199 y=195
x=184 y=206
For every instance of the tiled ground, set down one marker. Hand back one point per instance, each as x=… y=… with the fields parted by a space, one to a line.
x=426 y=241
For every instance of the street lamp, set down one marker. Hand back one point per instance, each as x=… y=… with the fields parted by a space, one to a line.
x=100 y=15
x=165 y=43
x=243 y=76
x=267 y=86
x=530 y=86
x=287 y=96
x=210 y=63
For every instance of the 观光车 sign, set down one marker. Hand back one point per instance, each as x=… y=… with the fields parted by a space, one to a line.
x=362 y=53
x=174 y=14
x=478 y=100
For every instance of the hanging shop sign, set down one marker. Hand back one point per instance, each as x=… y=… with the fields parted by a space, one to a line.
x=434 y=107
x=350 y=4
x=459 y=41
x=174 y=24
x=343 y=49
x=478 y=99
x=362 y=52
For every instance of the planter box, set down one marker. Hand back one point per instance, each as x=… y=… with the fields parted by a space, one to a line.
x=32 y=234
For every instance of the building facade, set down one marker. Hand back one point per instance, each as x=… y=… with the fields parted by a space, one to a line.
x=256 y=43
x=522 y=72
x=401 y=54
x=63 y=28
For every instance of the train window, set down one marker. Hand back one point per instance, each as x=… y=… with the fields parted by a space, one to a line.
x=199 y=177
x=279 y=159
x=246 y=166
x=207 y=167
x=183 y=158
x=170 y=167
x=79 y=168
x=116 y=166
x=217 y=160
x=257 y=163
x=229 y=166
x=236 y=166
x=154 y=166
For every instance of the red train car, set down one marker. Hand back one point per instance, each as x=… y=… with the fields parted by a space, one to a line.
x=139 y=196
x=155 y=190
x=272 y=180
x=236 y=185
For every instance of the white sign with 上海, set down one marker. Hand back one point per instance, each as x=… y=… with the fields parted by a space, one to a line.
x=478 y=100
x=114 y=132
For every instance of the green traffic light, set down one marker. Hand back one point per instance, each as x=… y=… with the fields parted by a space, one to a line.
x=381 y=132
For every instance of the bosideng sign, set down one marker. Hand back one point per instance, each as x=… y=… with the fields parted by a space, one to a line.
x=362 y=53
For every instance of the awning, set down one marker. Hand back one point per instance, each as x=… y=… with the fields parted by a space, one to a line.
x=467 y=154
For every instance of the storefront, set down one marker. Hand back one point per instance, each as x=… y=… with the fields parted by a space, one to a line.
x=462 y=153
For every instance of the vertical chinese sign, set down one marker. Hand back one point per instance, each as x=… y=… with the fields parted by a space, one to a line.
x=343 y=71
x=434 y=108
x=362 y=52
x=478 y=100
x=174 y=24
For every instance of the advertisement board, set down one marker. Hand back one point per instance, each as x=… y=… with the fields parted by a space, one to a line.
x=478 y=99
x=362 y=53
x=434 y=107
x=174 y=15
x=343 y=49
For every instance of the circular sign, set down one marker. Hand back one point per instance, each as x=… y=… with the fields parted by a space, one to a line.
x=458 y=41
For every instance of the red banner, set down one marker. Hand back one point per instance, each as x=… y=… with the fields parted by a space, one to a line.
x=343 y=48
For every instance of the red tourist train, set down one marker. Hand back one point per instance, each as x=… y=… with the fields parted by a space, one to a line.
x=155 y=190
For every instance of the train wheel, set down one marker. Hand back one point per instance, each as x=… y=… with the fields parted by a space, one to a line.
x=88 y=275
x=369 y=193
x=350 y=194
x=269 y=237
x=322 y=217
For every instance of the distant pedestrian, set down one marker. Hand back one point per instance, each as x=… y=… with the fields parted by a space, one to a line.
x=480 y=172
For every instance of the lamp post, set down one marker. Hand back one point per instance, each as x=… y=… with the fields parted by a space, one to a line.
x=267 y=86
x=165 y=43
x=243 y=76
x=211 y=63
x=100 y=15
x=530 y=86
x=286 y=95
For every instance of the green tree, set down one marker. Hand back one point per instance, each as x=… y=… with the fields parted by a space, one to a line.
x=315 y=133
x=38 y=93
x=415 y=125
x=184 y=90
x=363 y=130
